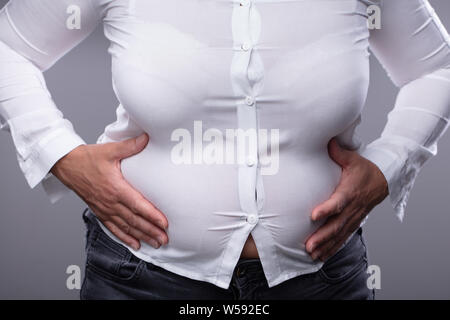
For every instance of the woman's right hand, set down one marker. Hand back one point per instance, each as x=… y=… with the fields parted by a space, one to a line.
x=93 y=173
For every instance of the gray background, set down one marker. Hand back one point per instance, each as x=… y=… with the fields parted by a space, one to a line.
x=39 y=240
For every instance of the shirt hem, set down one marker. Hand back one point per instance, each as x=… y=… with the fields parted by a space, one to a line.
x=170 y=267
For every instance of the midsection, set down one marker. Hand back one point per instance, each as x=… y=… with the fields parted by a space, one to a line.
x=173 y=76
x=201 y=202
x=199 y=193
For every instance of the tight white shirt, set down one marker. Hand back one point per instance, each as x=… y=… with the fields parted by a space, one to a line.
x=291 y=74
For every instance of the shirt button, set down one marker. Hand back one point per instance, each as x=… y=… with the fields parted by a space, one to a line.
x=250 y=161
x=246 y=46
x=249 y=100
x=252 y=218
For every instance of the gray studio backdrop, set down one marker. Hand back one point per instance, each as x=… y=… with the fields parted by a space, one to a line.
x=38 y=241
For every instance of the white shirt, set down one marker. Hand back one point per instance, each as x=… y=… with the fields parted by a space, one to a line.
x=289 y=74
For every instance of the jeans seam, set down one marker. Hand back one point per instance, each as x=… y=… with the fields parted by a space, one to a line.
x=104 y=238
x=347 y=275
x=97 y=239
x=113 y=277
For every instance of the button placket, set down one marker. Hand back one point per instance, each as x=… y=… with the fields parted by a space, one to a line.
x=246 y=46
x=248 y=121
x=252 y=218
x=246 y=73
x=250 y=161
x=250 y=100
x=245 y=34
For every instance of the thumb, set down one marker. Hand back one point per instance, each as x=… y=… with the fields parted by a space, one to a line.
x=340 y=155
x=129 y=147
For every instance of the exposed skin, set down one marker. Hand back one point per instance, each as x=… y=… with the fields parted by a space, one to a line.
x=93 y=173
x=362 y=186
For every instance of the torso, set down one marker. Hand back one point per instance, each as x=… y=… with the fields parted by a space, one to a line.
x=182 y=76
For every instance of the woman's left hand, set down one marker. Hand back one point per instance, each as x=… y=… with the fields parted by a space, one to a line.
x=362 y=187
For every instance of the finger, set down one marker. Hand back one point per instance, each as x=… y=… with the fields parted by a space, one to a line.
x=128 y=147
x=321 y=250
x=122 y=235
x=324 y=247
x=327 y=249
x=347 y=231
x=135 y=232
x=334 y=205
x=329 y=229
x=143 y=237
x=334 y=249
x=142 y=225
x=138 y=204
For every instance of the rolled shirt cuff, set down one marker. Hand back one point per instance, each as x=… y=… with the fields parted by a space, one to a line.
x=39 y=164
x=400 y=166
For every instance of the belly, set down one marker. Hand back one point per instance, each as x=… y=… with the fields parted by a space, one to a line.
x=201 y=202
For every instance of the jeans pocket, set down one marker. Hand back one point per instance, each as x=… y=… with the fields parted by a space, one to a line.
x=108 y=258
x=347 y=262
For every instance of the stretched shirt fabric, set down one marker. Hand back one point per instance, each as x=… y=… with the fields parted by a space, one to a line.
x=200 y=77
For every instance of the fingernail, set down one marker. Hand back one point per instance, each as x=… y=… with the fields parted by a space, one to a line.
x=162 y=225
x=161 y=240
x=316 y=216
x=135 y=247
x=154 y=244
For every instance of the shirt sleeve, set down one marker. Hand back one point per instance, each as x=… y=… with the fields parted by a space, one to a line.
x=33 y=36
x=414 y=49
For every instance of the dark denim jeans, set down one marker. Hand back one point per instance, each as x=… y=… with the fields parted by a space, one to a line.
x=113 y=272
